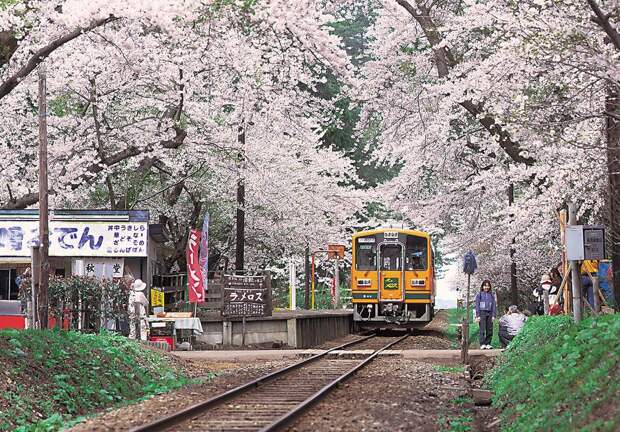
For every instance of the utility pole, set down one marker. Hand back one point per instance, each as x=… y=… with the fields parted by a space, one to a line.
x=514 y=293
x=574 y=268
x=36 y=265
x=240 y=245
x=43 y=202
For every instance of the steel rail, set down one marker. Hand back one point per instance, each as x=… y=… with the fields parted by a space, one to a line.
x=180 y=416
x=302 y=407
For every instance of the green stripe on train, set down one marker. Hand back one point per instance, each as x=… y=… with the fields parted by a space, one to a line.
x=412 y=296
x=365 y=296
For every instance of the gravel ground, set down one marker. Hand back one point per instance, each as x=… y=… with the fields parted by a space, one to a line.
x=229 y=375
x=391 y=395
x=432 y=336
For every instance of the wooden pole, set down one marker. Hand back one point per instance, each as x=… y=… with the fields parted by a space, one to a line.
x=595 y=294
x=43 y=201
x=465 y=327
x=36 y=264
x=564 y=288
x=575 y=274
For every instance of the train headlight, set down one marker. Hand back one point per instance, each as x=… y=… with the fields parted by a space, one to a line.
x=418 y=282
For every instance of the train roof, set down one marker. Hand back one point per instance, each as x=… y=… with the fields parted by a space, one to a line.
x=382 y=230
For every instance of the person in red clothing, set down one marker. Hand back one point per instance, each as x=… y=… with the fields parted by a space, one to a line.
x=485 y=313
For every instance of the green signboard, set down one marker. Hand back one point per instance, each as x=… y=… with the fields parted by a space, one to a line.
x=390 y=283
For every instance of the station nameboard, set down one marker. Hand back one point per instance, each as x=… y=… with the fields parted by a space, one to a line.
x=76 y=239
x=246 y=296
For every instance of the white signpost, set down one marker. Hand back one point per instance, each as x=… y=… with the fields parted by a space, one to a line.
x=292 y=276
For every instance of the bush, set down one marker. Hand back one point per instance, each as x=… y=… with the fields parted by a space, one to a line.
x=47 y=372
x=559 y=376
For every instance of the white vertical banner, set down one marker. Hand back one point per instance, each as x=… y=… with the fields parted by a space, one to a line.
x=292 y=276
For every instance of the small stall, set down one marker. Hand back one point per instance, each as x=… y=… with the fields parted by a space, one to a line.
x=174 y=328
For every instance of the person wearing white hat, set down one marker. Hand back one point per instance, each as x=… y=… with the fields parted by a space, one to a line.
x=137 y=309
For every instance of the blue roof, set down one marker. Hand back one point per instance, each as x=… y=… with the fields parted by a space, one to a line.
x=134 y=215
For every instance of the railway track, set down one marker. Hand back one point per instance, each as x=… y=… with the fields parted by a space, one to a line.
x=274 y=400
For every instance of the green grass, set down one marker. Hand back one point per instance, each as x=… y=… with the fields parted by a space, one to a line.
x=455 y=316
x=49 y=377
x=559 y=376
x=460 y=423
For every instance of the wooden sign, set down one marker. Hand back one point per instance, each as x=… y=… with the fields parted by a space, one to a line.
x=246 y=296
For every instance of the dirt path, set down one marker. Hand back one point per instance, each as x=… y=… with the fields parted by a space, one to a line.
x=392 y=394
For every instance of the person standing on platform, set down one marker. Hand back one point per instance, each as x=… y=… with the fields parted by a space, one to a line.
x=485 y=313
x=138 y=304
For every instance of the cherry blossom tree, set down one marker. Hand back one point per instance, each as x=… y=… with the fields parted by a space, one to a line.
x=146 y=103
x=482 y=98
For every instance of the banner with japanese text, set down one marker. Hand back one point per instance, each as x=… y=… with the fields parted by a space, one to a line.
x=204 y=253
x=76 y=239
x=194 y=272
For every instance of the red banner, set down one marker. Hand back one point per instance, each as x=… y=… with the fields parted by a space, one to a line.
x=194 y=272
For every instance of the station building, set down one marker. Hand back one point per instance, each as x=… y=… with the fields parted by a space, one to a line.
x=98 y=243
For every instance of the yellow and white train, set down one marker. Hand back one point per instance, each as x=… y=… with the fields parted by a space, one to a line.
x=393 y=278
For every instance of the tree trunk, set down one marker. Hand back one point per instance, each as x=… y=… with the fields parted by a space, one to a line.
x=514 y=292
x=240 y=246
x=612 y=130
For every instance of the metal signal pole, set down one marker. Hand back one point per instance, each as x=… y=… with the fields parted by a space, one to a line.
x=43 y=202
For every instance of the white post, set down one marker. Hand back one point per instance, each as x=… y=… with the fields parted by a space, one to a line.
x=336 y=283
x=292 y=284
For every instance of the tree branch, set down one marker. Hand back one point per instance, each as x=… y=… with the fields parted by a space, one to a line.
x=97 y=167
x=444 y=60
x=7 y=86
x=602 y=20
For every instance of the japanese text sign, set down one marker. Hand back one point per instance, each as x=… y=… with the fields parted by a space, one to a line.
x=194 y=272
x=78 y=239
x=246 y=296
x=157 y=298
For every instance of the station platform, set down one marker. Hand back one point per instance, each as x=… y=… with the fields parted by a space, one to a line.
x=293 y=329
x=435 y=356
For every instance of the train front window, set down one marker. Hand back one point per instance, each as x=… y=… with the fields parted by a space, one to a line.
x=416 y=253
x=366 y=254
x=391 y=257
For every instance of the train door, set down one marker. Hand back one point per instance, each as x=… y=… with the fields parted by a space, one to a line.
x=390 y=270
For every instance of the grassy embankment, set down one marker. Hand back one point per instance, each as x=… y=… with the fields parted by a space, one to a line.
x=455 y=316
x=50 y=377
x=559 y=376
